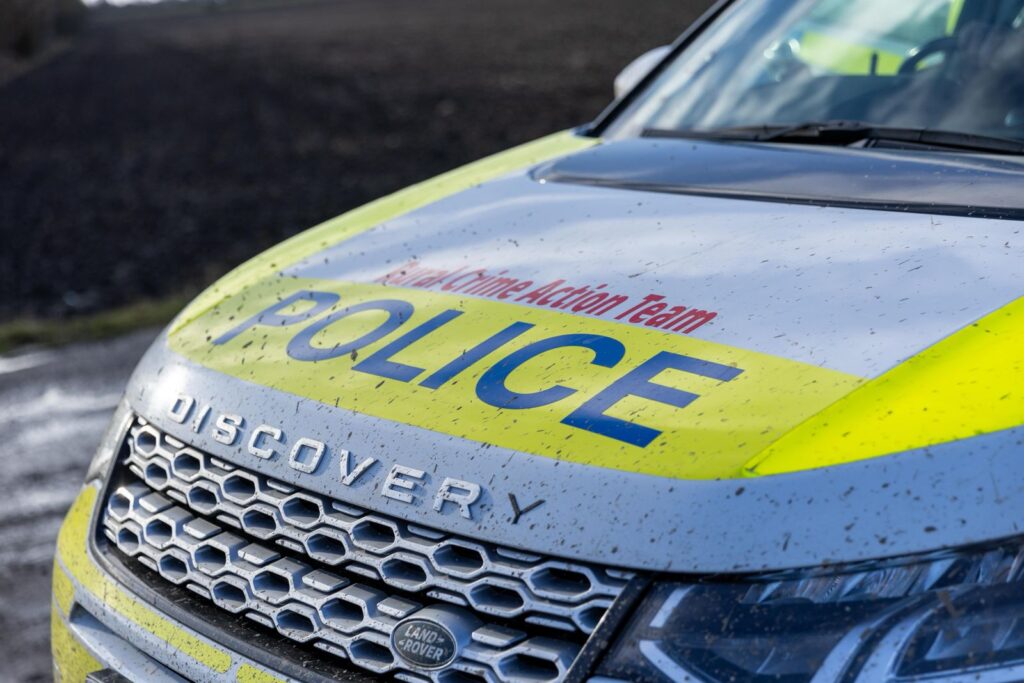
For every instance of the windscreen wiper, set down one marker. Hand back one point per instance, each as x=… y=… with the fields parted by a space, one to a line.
x=845 y=133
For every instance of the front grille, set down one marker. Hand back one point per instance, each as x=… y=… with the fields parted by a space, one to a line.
x=340 y=578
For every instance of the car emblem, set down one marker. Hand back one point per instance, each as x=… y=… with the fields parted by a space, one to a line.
x=424 y=643
x=432 y=638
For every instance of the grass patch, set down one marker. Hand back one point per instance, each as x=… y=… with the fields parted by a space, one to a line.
x=91 y=327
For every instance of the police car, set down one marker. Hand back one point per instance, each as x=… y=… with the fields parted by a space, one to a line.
x=725 y=386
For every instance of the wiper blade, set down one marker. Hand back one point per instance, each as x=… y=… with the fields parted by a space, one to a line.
x=836 y=132
x=843 y=133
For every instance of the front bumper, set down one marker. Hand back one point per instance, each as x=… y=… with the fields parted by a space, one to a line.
x=97 y=624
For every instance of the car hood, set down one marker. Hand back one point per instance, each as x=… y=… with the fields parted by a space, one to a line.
x=626 y=376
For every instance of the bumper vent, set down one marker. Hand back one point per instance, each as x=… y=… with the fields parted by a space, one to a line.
x=339 y=578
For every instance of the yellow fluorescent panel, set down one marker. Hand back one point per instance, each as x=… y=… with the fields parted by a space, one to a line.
x=723 y=428
x=250 y=674
x=968 y=384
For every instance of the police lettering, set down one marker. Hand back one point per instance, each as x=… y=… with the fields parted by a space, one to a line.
x=310 y=309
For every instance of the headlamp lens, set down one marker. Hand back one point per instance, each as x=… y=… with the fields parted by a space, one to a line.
x=954 y=613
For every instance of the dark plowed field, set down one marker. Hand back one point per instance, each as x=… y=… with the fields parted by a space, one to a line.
x=163 y=148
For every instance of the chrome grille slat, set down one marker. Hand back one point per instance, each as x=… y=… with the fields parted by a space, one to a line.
x=297 y=562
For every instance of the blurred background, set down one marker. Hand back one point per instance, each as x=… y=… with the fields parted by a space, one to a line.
x=147 y=149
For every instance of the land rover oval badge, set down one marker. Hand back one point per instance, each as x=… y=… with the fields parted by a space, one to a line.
x=424 y=643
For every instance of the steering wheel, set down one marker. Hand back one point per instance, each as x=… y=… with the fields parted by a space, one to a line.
x=944 y=44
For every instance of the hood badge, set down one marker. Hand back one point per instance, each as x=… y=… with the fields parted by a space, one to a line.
x=433 y=637
x=305 y=454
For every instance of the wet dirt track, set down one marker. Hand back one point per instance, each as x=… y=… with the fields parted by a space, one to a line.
x=54 y=407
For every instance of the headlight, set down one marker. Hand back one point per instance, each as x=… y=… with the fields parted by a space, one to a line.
x=960 y=614
x=111 y=444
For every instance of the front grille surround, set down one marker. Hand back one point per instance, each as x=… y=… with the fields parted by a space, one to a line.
x=340 y=578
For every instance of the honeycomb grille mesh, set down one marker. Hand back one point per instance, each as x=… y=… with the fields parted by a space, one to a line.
x=341 y=578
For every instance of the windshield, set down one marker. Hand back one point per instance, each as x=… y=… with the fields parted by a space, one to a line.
x=940 y=65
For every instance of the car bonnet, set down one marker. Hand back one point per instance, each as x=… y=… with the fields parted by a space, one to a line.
x=646 y=379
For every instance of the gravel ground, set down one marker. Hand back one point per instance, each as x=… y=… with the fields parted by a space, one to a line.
x=160 y=150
